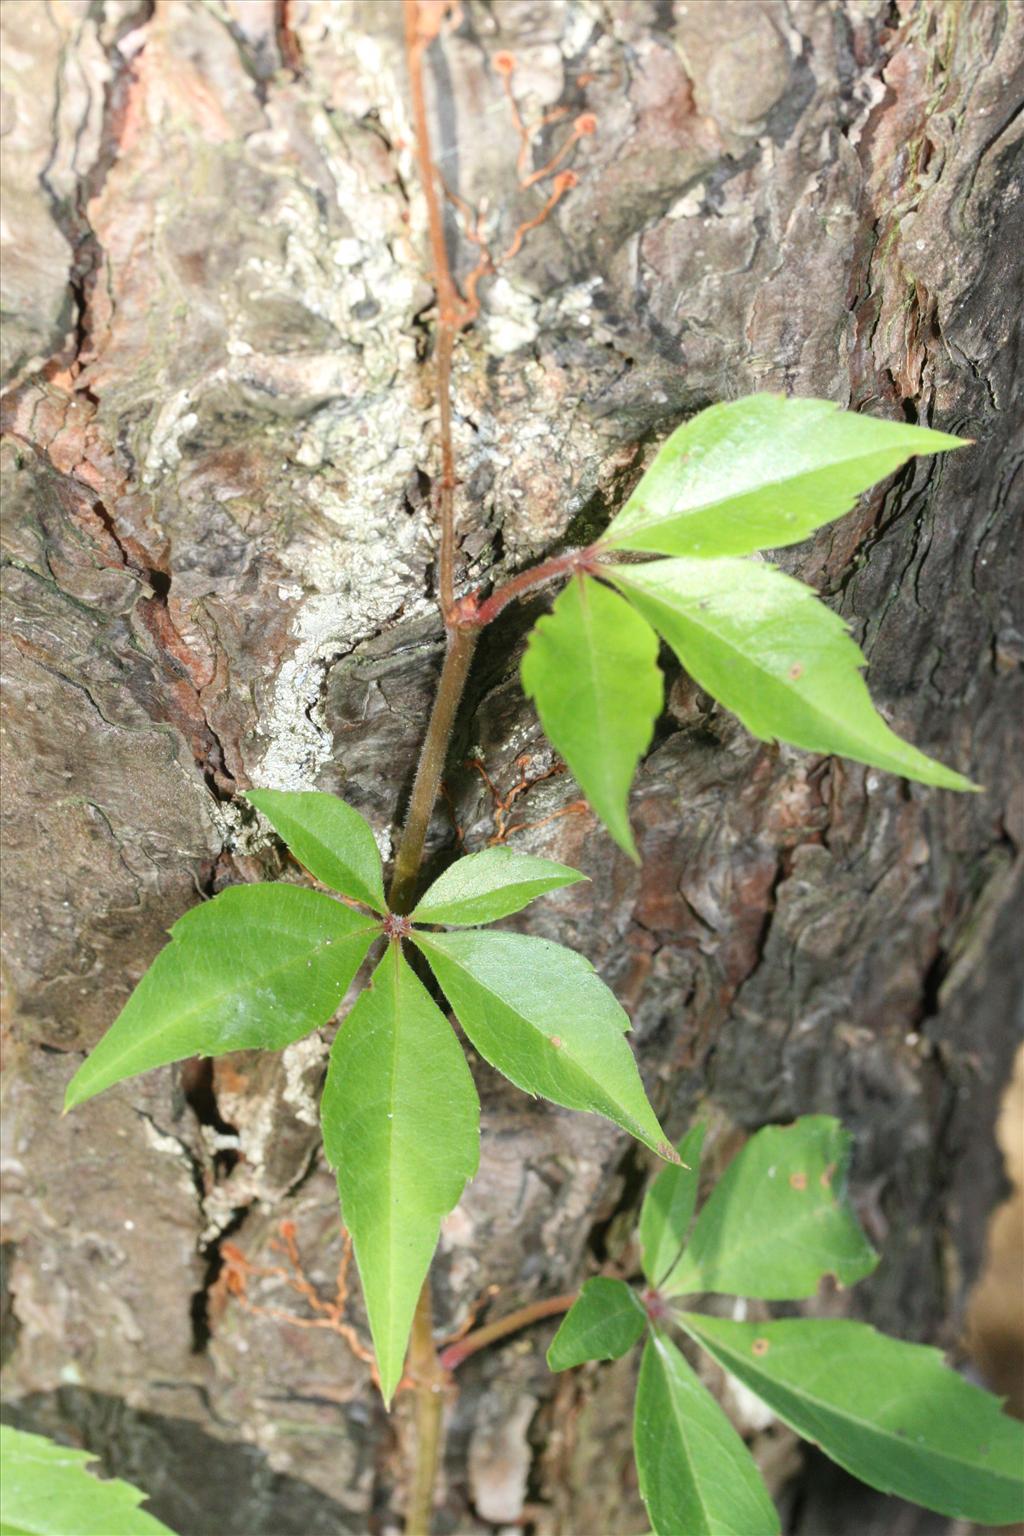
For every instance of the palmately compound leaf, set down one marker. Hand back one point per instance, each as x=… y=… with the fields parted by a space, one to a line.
x=591 y=669
x=891 y=1413
x=668 y=1208
x=697 y=1478
x=760 y=473
x=330 y=838
x=401 y=1123
x=778 y=1219
x=46 y=1491
x=541 y=1015
x=604 y=1321
x=767 y=648
x=491 y=884
x=254 y=969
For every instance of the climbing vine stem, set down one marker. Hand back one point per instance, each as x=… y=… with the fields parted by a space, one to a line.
x=422 y=24
x=463 y=618
x=458 y=656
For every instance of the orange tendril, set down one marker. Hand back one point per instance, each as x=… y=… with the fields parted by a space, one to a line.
x=559 y=187
x=503 y=804
x=238 y=1270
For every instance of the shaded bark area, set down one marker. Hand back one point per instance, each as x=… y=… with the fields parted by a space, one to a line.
x=219 y=542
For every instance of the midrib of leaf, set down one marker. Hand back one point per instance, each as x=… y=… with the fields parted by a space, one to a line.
x=458 y=902
x=569 y=1055
x=211 y=1000
x=623 y=1308
x=336 y=858
x=683 y=1442
x=668 y=1269
x=814 y=709
x=880 y=1431
x=655 y=520
x=392 y=1101
x=660 y=1277
x=597 y=692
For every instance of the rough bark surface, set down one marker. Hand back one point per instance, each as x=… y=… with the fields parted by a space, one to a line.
x=219 y=548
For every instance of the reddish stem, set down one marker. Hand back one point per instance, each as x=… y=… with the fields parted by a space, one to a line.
x=537 y=576
x=422 y=24
x=420 y=32
x=446 y=490
x=453 y=311
x=455 y=670
x=423 y=19
x=452 y=1357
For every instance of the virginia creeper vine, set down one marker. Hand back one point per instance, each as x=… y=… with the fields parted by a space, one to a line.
x=275 y=960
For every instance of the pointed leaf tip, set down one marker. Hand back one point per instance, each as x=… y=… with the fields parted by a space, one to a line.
x=400 y=1120
x=768 y=648
x=591 y=668
x=255 y=968
x=494 y=883
x=541 y=1015
x=49 y=1489
x=760 y=473
x=328 y=837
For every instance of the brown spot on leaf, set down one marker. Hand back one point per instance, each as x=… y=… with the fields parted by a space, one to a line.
x=669 y=1153
x=760 y=1347
x=556 y=1041
x=826 y=1177
x=796 y=670
x=798 y=1180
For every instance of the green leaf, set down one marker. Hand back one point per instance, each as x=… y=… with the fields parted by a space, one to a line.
x=697 y=1478
x=330 y=838
x=47 y=1492
x=400 y=1121
x=488 y=885
x=544 y=1018
x=890 y=1413
x=604 y=1321
x=668 y=1209
x=769 y=650
x=778 y=1219
x=591 y=668
x=254 y=969
x=760 y=473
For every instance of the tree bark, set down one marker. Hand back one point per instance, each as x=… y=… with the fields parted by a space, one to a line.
x=220 y=538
